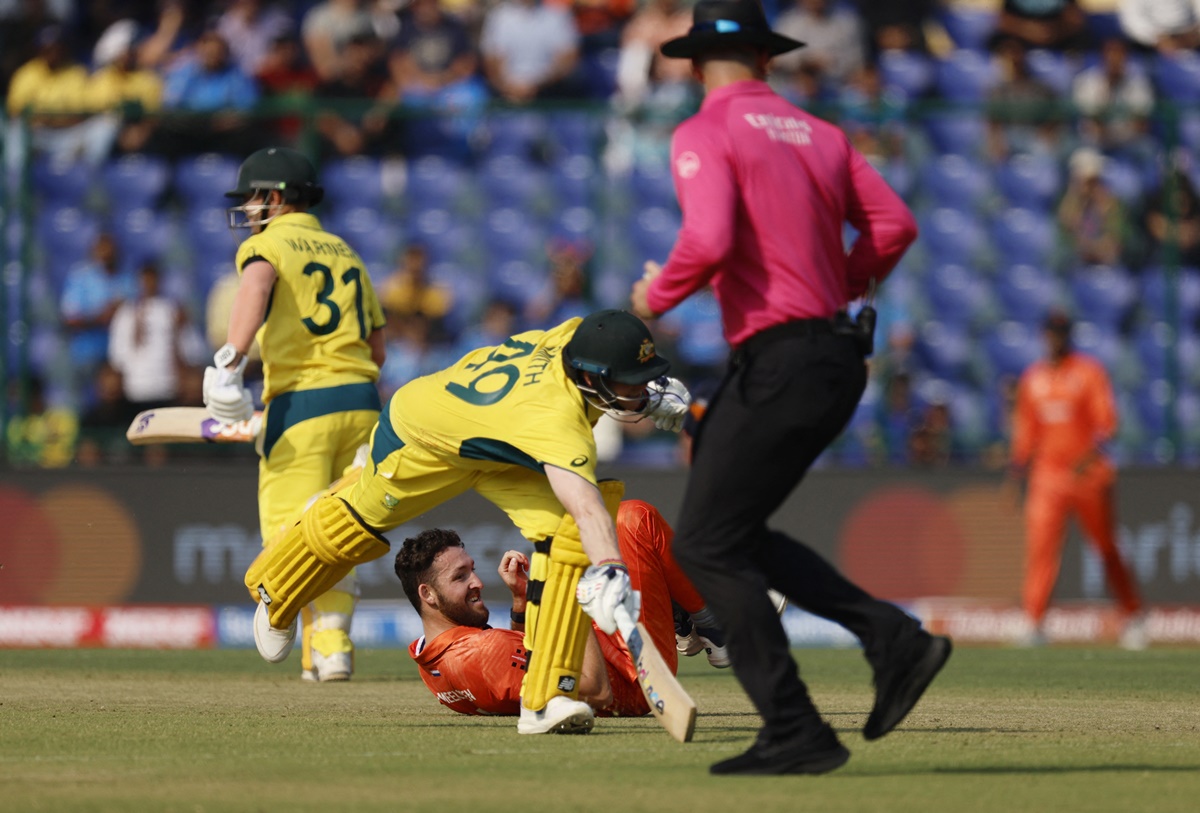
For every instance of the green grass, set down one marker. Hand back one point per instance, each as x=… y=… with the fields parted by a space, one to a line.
x=1001 y=730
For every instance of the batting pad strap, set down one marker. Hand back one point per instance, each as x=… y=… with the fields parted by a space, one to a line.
x=312 y=557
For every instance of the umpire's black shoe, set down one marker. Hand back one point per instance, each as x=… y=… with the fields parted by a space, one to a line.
x=900 y=683
x=814 y=751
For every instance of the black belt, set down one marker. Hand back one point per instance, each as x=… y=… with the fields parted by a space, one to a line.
x=787 y=330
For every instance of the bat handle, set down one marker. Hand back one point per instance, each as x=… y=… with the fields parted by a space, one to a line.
x=626 y=623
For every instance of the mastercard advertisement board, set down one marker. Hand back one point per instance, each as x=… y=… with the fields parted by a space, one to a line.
x=182 y=537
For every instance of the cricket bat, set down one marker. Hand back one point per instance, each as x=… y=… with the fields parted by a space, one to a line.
x=189 y=425
x=669 y=702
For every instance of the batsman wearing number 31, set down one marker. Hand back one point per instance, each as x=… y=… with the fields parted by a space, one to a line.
x=307 y=297
x=513 y=423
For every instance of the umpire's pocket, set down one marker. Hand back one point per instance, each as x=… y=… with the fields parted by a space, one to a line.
x=765 y=378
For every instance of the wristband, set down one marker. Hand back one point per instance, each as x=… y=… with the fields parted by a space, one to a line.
x=612 y=563
x=227 y=355
x=516 y=617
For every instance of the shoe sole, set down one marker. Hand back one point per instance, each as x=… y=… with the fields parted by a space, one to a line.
x=811 y=765
x=575 y=724
x=918 y=680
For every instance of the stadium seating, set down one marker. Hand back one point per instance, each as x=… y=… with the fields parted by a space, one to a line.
x=945 y=348
x=203 y=180
x=1030 y=181
x=963 y=132
x=515 y=281
x=508 y=180
x=953 y=237
x=1171 y=295
x=135 y=181
x=906 y=73
x=1124 y=180
x=956 y=294
x=968 y=27
x=143 y=236
x=1106 y=294
x=1026 y=293
x=518 y=133
x=956 y=181
x=353 y=182
x=1177 y=76
x=652 y=184
x=1024 y=236
x=965 y=76
x=66 y=236
x=436 y=183
x=62 y=183
x=208 y=237
x=653 y=232
x=1012 y=346
x=370 y=234
x=445 y=237
x=511 y=235
x=1053 y=69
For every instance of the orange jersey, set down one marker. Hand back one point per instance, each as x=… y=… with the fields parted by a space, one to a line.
x=479 y=671
x=1064 y=412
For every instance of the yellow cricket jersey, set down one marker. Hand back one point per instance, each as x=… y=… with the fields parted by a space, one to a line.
x=511 y=404
x=321 y=311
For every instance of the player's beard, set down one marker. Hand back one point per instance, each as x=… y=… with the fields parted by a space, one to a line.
x=465 y=613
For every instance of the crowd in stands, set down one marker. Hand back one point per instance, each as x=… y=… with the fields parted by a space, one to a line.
x=502 y=166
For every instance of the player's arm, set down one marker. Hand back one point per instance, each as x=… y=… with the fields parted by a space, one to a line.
x=250 y=304
x=594 y=686
x=514 y=572
x=582 y=500
x=378 y=347
x=886 y=226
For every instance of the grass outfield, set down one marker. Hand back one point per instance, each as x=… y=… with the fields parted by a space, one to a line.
x=1001 y=730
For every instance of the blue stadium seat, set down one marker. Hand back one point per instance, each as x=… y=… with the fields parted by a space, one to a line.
x=1155 y=345
x=1154 y=404
x=965 y=76
x=652 y=184
x=1027 y=293
x=519 y=133
x=697 y=324
x=511 y=235
x=962 y=132
x=66 y=236
x=956 y=295
x=968 y=27
x=470 y=293
x=143 y=235
x=1181 y=289
x=61 y=183
x=1189 y=130
x=953 y=237
x=444 y=237
x=356 y=181
x=1177 y=76
x=1097 y=339
x=209 y=238
x=1023 y=236
x=1012 y=346
x=436 y=183
x=135 y=181
x=508 y=180
x=907 y=73
x=575 y=133
x=1124 y=180
x=573 y=180
x=956 y=181
x=945 y=349
x=1103 y=294
x=1030 y=181
x=653 y=232
x=577 y=224
x=203 y=180
x=369 y=233
x=515 y=280
x=1052 y=68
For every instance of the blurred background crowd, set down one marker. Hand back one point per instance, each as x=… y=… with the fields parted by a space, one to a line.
x=504 y=165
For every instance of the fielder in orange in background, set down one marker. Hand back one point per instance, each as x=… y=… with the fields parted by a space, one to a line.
x=476 y=669
x=1065 y=412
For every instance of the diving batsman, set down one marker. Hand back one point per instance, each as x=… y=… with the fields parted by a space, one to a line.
x=513 y=423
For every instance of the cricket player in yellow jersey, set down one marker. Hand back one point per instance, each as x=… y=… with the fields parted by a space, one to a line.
x=514 y=423
x=307 y=297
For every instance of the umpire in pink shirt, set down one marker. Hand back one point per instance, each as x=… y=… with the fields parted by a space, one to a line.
x=765 y=190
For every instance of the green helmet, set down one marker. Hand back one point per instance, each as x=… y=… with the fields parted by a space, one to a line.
x=279 y=169
x=615 y=345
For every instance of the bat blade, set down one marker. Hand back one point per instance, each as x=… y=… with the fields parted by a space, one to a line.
x=189 y=425
x=669 y=701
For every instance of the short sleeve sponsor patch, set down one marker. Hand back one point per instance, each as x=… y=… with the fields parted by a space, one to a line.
x=687 y=164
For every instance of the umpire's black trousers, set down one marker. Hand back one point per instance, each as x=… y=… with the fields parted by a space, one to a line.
x=789 y=392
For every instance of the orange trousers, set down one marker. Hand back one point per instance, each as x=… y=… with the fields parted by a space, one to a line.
x=1053 y=496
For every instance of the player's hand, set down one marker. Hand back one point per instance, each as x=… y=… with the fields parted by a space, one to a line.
x=225 y=396
x=637 y=297
x=514 y=569
x=668 y=403
x=602 y=589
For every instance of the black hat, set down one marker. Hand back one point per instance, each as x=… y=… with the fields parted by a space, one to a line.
x=723 y=23
x=617 y=345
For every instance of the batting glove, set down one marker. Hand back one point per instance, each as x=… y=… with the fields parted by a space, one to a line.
x=602 y=588
x=668 y=403
x=225 y=396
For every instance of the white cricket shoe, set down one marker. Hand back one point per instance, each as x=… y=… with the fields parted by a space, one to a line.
x=335 y=667
x=1135 y=637
x=273 y=644
x=562 y=715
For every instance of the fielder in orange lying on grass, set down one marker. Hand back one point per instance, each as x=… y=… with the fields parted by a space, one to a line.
x=476 y=669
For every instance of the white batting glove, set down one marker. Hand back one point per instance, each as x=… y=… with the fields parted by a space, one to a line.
x=668 y=403
x=225 y=396
x=604 y=587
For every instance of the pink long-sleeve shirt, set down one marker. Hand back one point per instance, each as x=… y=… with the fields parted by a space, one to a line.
x=765 y=190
